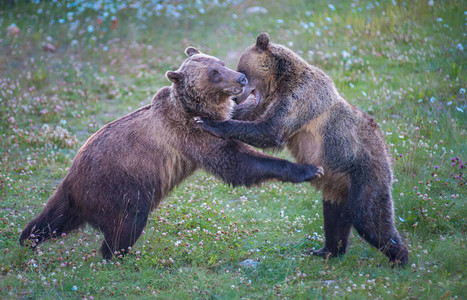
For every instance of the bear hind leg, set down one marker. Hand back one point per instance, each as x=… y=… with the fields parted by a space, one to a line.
x=337 y=225
x=372 y=217
x=56 y=218
x=119 y=237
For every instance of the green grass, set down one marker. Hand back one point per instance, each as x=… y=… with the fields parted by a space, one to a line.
x=401 y=62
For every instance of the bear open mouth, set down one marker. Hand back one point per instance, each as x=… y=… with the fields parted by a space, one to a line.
x=253 y=96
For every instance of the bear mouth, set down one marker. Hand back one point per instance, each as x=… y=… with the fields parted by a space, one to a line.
x=254 y=95
x=234 y=91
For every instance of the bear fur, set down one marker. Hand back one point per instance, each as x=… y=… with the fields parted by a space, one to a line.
x=297 y=105
x=126 y=168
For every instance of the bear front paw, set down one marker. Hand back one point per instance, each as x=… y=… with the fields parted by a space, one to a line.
x=209 y=126
x=317 y=172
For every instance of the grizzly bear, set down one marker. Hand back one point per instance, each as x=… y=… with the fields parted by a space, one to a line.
x=126 y=168
x=295 y=104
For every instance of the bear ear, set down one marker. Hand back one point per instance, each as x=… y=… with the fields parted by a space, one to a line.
x=262 y=41
x=174 y=76
x=190 y=51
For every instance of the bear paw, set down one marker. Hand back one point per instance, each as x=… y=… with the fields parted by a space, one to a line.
x=211 y=126
x=318 y=172
x=323 y=252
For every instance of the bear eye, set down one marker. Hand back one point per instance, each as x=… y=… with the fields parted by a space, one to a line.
x=214 y=74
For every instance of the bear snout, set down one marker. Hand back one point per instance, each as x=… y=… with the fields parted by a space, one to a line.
x=242 y=80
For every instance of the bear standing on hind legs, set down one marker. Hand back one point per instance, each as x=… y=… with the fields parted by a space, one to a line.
x=295 y=104
x=125 y=169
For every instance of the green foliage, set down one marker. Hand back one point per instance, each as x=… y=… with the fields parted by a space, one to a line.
x=68 y=67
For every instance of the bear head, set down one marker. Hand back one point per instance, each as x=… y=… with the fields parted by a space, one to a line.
x=268 y=67
x=204 y=85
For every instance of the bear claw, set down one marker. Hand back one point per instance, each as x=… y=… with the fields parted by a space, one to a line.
x=323 y=252
x=319 y=172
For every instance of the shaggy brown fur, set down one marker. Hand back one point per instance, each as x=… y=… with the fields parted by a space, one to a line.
x=125 y=169
x=300 y=107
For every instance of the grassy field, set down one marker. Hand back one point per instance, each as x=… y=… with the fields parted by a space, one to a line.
x=69 y=67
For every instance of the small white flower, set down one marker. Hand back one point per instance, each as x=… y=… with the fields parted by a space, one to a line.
x=345 y=54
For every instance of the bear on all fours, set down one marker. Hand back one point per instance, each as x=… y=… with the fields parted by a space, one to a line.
x=126 y=168
x=295 y=104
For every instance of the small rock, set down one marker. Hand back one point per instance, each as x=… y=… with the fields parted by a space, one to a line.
x=256 y=10
x=249 y=263
x=13 y=30
x=49 y=47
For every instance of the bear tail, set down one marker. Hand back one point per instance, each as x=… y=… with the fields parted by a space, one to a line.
x=56 y=218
